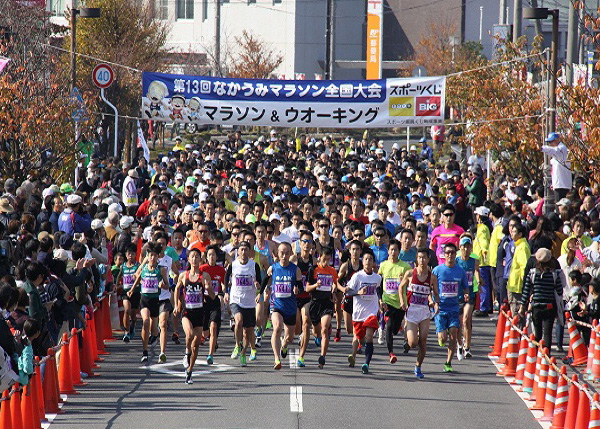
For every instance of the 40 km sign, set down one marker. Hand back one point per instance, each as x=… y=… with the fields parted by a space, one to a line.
x=103 y=76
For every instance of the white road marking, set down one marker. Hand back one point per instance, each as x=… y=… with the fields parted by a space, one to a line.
x=293 y=355
x=199 y=368
x=296 y=399
x=524 y=396
x=50 y=417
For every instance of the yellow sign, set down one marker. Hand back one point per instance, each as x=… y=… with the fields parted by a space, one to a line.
x=402 y=106
x=374 y=27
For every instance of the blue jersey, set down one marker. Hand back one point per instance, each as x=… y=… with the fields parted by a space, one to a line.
x=265 y=251
x=410 y=256
x=381 y=253
x=283 y=280
x=452 y=283
x=469 y=267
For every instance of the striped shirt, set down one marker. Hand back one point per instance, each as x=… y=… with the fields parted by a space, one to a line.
x=541 y=286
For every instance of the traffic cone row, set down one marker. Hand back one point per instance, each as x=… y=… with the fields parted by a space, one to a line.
x=500 y=327
x=505 y=340
x=562 y=398
x=540 y=396
x=551 y=388
x=21 y=410
x=536 y=377
x=529 y=373
x=576 y=344
x=512 y=353
x=522 y=359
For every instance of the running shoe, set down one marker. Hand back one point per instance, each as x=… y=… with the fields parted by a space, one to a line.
x=300 y=362
x=126 y=338
x=144 y=356
x=418 y=372
x=236 y=352
x=381 y=339
x=406 y=347
x=175 y=338
x=351 y=361
x=202 y=340
x=468 y=354
x=365 y=368
x=253 y=354
x=448 y=367
x=232 y=324
x=317 y=341
x=269 y=325
x=162 y=358
x=338 y=335
x=188 y=377
x=152 y=339
x=258 y=341
x=393 y=358
x=284 y=352
x=209 y=359
x=242 y=360
x=321 y=361
x=258 y=331
x=186 y=361
x=277 y=365
x=441 y=342
x=460 y=354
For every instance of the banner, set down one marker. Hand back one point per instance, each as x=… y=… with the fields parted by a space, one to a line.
x=142 y=142
x=374 y=38
x=385 y=103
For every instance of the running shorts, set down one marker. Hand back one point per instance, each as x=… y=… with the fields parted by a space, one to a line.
x=360 y=328
x=134 y=300
x=212 y=313
x=152 y=304
x=416 y=314
x=166 y=306
x=318 y=309
x=248 y=315
x=195 y=316
x=446 y=320
x=288 y=319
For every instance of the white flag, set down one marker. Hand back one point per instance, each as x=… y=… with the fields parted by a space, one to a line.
x=142 y=142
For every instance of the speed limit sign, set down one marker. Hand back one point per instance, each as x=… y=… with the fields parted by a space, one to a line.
x=103 y=76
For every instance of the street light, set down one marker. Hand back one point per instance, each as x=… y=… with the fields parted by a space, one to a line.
x=84 y=12
x=544 y=13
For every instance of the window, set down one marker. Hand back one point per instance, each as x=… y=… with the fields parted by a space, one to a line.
x=251 y=1
x=277 y=2
x=204 y=10
x=185 y=9
x=57 y=7
x=162 y=9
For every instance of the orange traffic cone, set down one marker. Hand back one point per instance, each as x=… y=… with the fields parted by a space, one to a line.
x=536 y=377
x=86 y=357
x=522 y=359
x=51 y=396
x=107 y=326
x=571 y=415
x=505 y=339
x=5 y=420
x=576 y=343
x=98 y=337
x=28 y=415
x=500 y=327
x=15 y=408
x=39 y=392
x=591 y=349
x=65 y=380
x=595 y=415
x=583 y=411
x=540 y=398
x=529 y=373
x=551 y=388
x=562 y=399
x=595 y=375
x=512 y=355
x=74 y=358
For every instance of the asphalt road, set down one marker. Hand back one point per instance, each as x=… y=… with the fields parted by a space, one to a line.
x=131 y=395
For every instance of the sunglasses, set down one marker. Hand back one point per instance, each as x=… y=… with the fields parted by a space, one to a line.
x=306 y=241
x=235 y=234
x=357 y=235
x=203 y=231
x=449 y=252
x=324 y=226
x=270 y=231
x=448 y=214
x=379 y=235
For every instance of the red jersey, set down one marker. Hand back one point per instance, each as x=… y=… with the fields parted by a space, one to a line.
x=217 y=276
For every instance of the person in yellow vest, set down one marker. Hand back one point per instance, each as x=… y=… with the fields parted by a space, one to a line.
x=179 y=146
x=481 y=245
x=496 y=213
x=517 y=268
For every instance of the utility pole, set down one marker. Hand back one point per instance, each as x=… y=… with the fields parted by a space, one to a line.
x=580 y=38
x=517 y=20
x=217 y=71
x=571 y=43
x=536 y=22
x=74 y=12
x=330 y=40
x=503 y=18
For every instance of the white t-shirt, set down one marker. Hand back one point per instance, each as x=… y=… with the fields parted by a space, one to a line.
x=243 y=289
x=167 y=262
x=576 y=265
x=562 y=178
x=291 y=232
x=364 y=305
x=282 y=238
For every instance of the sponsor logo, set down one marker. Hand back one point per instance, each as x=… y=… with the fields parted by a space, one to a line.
x=428 y=106
x=402 y=106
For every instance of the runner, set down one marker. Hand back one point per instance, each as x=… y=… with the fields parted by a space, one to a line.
x=447 y=232
x=242 y=280
x=452 y=283
x=192 y=284
x=392 y=271
x=153 y=279
x=131 y=304
x=305 y=261
x=347 y=270
x=285 y=280
x=166 y=296
x=418 y=285
x=363 y=286
x=467 y=301
x=322 y=283
x=212 y=306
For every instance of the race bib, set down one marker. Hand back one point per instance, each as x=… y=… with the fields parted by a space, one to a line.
x=470 y=279
x=304 y=281
x=282 y=289
x=449 y=289
x=150 y=285
x=127 y=281
x=418 y=300
x=326 y=282
x=244 y=281
x=391 y=286
x=369 y=289
x=216 y=284
x=193 y=299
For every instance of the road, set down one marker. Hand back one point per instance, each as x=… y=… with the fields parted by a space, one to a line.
x=131 y=395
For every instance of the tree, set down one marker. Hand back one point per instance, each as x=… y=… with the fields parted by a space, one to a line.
x=126 y=33
x=254 y=58
x=36 y=130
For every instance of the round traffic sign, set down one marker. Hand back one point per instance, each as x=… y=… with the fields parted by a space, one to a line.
x=103 y=76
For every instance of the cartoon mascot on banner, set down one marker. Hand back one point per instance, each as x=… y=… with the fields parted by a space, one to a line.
x=154 y=105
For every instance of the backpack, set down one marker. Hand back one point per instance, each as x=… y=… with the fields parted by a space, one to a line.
x=7 y=376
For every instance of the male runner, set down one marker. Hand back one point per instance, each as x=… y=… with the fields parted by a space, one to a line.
x=212 y=305
x=467 y=302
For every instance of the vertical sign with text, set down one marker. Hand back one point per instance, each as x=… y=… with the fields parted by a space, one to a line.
x=374 y=40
